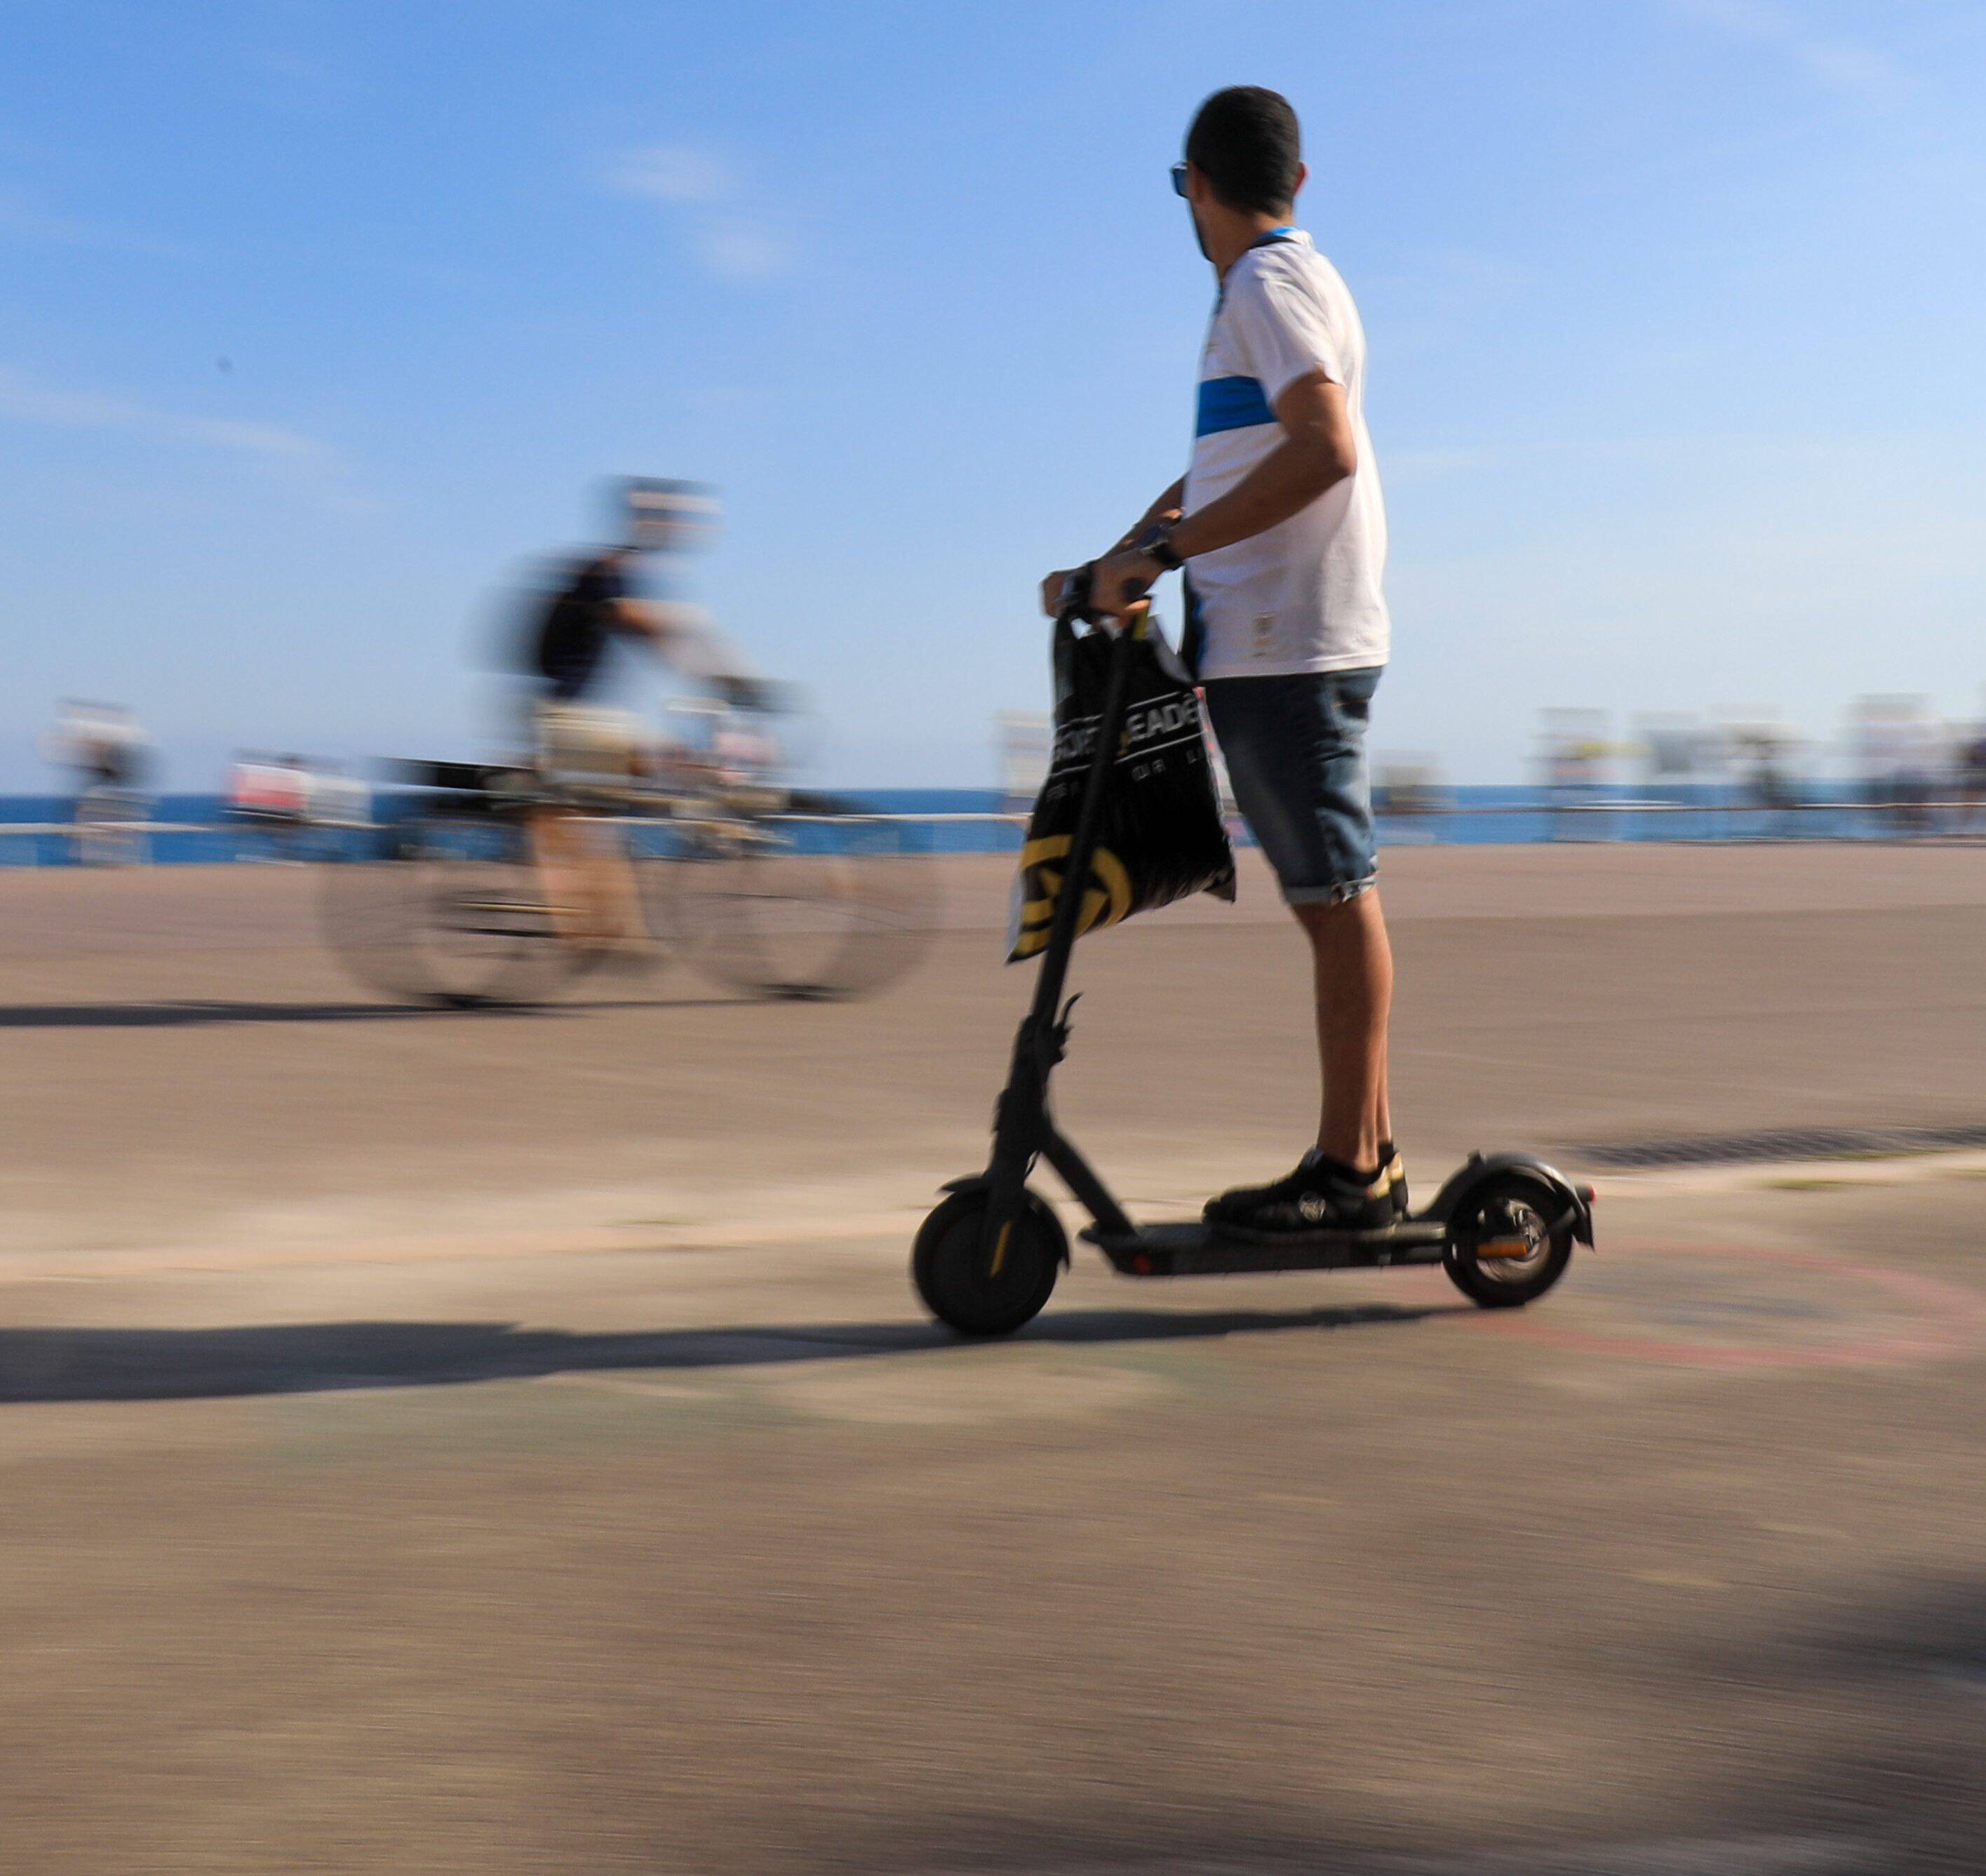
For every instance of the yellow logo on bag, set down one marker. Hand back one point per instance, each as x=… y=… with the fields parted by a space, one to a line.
x=1107 y=900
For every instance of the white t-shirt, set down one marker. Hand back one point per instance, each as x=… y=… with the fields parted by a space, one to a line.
x=1304 y=595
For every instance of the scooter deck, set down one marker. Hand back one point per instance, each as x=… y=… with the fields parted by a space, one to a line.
x=1197 y=1249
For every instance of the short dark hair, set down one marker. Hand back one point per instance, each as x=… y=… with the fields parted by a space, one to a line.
x=1244 y=140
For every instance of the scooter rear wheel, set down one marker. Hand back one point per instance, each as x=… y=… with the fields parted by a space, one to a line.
x=1511 y=1212
x=980 y=1293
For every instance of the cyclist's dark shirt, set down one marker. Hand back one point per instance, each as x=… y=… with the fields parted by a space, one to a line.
x=578 y=626
x=111 y=765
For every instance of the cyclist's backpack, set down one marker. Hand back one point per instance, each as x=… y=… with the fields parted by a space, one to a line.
x=559 y=618
x=1161 y=835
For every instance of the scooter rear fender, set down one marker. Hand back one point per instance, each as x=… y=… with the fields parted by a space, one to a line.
x=1479 y=1167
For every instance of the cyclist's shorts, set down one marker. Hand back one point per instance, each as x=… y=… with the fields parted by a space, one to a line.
x=581 y=746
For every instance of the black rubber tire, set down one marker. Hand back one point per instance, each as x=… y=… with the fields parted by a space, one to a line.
x=368 y=913
x=823 y=903
x=1482 y=1213
x=396 y=922
x=950 y=1267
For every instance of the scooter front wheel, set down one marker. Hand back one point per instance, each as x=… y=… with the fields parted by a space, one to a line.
x=980 y=1289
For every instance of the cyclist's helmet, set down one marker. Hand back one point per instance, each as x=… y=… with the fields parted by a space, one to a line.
x=667 y=518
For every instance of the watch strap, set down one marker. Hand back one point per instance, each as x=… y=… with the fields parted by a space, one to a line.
x=1157 y=541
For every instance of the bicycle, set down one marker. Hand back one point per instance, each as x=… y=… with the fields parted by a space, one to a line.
x=769 y=892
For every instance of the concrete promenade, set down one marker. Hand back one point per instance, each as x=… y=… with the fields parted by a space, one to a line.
x=506 y=1441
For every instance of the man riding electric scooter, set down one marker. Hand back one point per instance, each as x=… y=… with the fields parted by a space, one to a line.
x=1280 y=527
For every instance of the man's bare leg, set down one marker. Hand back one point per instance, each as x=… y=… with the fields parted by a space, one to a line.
x=558 y=848
x=617 y=899
x=589 y=882
x=1353 y=967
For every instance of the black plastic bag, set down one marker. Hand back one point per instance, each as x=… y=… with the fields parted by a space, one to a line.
x=1161 y=837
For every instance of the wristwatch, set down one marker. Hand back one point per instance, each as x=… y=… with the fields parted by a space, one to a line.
x=1157 y=541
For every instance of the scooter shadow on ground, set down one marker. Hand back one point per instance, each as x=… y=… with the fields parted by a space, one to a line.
x=176 y=1013
x=75 y=1365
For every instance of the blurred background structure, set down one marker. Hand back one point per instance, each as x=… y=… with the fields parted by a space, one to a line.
x=1890 y=769
x=1611 y=260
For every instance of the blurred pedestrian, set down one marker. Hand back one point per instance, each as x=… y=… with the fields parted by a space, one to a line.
x=1972 y=779
x=108 y=756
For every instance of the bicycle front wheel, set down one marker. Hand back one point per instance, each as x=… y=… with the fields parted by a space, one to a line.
x=822 y=904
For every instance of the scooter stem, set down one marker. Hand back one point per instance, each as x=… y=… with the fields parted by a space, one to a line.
x=1062 y=931
x=1022 y=1127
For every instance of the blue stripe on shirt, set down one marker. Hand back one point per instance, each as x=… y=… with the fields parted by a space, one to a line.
x=1231 y=404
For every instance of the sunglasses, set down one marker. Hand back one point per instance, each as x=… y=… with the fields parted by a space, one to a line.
x=1179 y=179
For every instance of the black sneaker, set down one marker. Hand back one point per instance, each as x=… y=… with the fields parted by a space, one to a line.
x=1395 y=1170
x=1319 y=1196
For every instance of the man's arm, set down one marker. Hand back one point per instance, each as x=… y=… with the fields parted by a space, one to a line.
x=638 y=619
x=685 y=637
x=1317 y=451
x=1166 y=508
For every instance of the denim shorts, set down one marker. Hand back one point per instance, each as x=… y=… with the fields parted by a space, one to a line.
x=1295 y=750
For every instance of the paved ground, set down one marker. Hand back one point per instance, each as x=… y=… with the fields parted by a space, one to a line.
x=508 y=1443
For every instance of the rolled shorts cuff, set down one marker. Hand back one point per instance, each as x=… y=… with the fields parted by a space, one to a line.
x=1330 y=895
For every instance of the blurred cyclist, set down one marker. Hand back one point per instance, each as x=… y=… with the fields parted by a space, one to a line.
x=587 y=752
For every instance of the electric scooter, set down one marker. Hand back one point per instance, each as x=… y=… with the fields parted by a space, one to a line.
x=986 y=1260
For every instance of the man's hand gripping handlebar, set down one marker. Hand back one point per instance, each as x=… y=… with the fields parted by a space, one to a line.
x=1078 y=602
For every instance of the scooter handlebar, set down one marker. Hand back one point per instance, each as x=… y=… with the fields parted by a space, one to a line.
x=1076 y=588
x=1075 y=609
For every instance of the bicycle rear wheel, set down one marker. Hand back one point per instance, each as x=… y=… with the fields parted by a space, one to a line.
x=448 y=912
x=822 y=904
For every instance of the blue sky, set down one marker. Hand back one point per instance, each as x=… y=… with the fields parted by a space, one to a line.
x=320 y=318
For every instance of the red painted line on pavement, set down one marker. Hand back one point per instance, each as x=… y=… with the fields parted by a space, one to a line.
x=1953 y=1320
